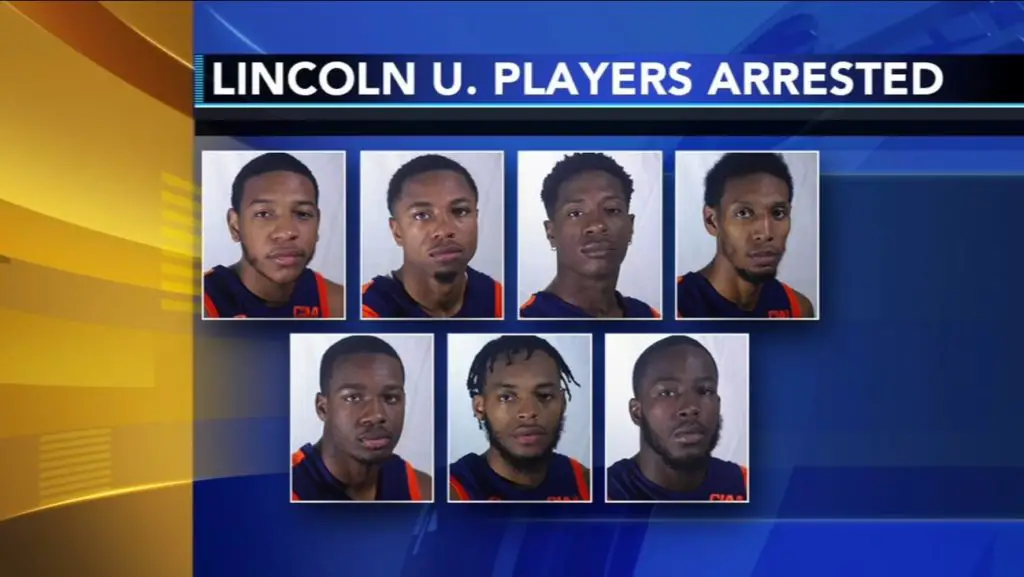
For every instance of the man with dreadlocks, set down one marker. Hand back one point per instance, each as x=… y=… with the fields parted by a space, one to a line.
x=520 y=386
x=677 y=408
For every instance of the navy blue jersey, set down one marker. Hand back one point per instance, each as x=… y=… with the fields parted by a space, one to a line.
x=224 y=296
x=384 y=297
x=311 y=481
x=725 y=481
x=545 y=305
x=472 y=479
x=697 y=299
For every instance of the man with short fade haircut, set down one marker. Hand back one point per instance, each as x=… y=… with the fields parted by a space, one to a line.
x=589 y=227
x=678 y=410
x=748 y=200
x=275 y=217
x=362 y=405
x=520 y=390
x=433 y=204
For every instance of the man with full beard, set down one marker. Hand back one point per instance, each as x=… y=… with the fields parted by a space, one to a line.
x=362 y=405
x=275 y=217
x=520 y=389
x=433 y=201
x=677 y=408
x=748 y=199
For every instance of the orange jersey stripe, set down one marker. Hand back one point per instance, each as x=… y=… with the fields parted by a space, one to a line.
x=321 y=290
x=211 y=309
x=794 y=303
x=460 y=491
x=581 y=481
x=499 y=301
x=414 y=483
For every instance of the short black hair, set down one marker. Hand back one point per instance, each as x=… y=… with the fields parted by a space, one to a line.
x=507 y=346
x=350 y=346
x=422 y=165
x=741 y=164
x=646 y=357
x=267 y=163
x=575 y=164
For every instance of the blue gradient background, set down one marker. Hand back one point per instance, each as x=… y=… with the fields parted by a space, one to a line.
x=883 y=438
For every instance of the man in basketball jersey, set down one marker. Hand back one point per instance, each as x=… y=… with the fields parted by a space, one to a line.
x=275 y=217
x=589 y=228
x=678 y=410
x=520 y=387
x=433 y=204
x=747 y=203
x=362 y=405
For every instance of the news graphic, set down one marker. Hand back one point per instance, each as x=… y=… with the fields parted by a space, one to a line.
x=611 y=226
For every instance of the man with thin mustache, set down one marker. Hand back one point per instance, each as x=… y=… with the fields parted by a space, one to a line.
x=275 y=217
x=433 y=204
x=589 y=227
x=748 y=199
x=520 y=389
x=677 y=408
x=362 y=405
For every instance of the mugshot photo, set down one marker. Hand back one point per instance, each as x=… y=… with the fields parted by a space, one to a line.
x=677 y=417
x=747 y=235
x=590 y=235
x=273 y=234
x=362 y=417
x=519 y=417
x=432 y=230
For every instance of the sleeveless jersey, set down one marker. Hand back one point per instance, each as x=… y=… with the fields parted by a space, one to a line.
x=725 y=481
x=545 y=305
x=472 y=479
x=311 y=481
x=224 y=296
x=697 y=299
x=384 y=297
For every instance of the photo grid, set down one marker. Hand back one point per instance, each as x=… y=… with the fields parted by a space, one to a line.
x=518 y=389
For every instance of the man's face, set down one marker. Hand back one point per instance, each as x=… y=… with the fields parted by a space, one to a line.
x=677 y=406
x=753 y=223
x=435 y=223
x=523 y=408
x=364 y=410
x=591 y=226
x=277 y=225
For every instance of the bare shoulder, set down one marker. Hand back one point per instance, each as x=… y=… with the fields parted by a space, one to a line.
x=426 y=484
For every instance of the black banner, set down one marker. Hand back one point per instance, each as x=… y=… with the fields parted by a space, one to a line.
x=497 y=80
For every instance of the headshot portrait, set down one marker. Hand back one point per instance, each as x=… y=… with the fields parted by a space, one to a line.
x=747 y=235
x=273 y=234
x=519 y=417
x=432 y=230
x=362 y=417
x=677 y=417
x=590 y=235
